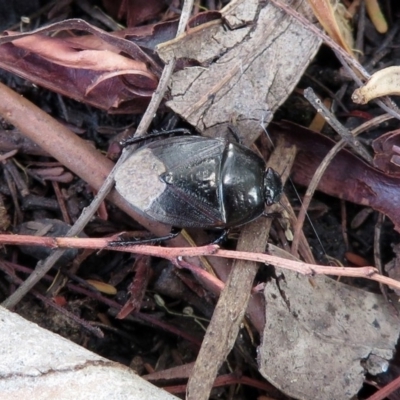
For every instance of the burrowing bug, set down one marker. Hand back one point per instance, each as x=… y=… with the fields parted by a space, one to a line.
x=197 y=182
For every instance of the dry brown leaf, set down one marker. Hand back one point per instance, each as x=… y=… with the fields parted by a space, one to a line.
x=347 y=177
x=101 y=69
x=135 y=12
x=333 y=19
x=387 y=152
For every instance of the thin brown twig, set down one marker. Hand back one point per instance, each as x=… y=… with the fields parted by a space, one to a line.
x=171 y=253
x=371 y=123
x=377 y=250
x=61 y=202
x=347 y=137
x=310 y=95
x=360 y=29
x=344 y=223
x=49 y=302
x=384 y=392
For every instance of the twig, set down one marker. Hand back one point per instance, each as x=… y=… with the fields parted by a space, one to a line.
x=104 y=243
x=171 y=253
x=47 y=301
x=345 y=134
x=310 y=95
x=387 y=390
x=360 y=29
x=213 y=284
x=377 y=250
x=371 y=123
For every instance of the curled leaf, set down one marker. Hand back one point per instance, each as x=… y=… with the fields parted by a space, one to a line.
x=99 y=68
x=385 y=82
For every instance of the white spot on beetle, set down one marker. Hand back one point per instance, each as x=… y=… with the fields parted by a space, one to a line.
x=137 y=180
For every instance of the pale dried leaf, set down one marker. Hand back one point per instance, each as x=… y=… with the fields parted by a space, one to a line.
x=64 y=53
x=239 y=13
x=320 y=337
x=246 y=73
x=385 y=82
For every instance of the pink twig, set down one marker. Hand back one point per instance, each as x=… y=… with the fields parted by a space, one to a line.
x=209 y=250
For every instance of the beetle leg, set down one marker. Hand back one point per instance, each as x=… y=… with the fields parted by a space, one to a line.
x=133 y=140
x=220 y=239
x=124 y=243
x=272 y=214
x=234 y=131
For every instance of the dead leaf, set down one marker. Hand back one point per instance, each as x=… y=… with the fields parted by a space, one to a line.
x=135 y=12
x=63 y=53
x=347 y=177
x=149 y=36
x=385 y=82
x=245 y=73
x=318 y=339
x=333 y=19
x=89 y=69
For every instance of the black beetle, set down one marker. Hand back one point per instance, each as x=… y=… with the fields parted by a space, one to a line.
x=198 y=182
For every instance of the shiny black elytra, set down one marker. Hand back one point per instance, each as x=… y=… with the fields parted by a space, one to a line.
x=198 y=182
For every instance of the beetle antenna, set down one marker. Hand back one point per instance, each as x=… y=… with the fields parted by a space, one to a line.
x=155 y=134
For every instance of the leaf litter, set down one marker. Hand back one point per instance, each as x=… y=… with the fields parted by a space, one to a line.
x=241 y=78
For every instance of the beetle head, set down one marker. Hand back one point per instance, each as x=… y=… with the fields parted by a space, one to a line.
x=273 y=187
